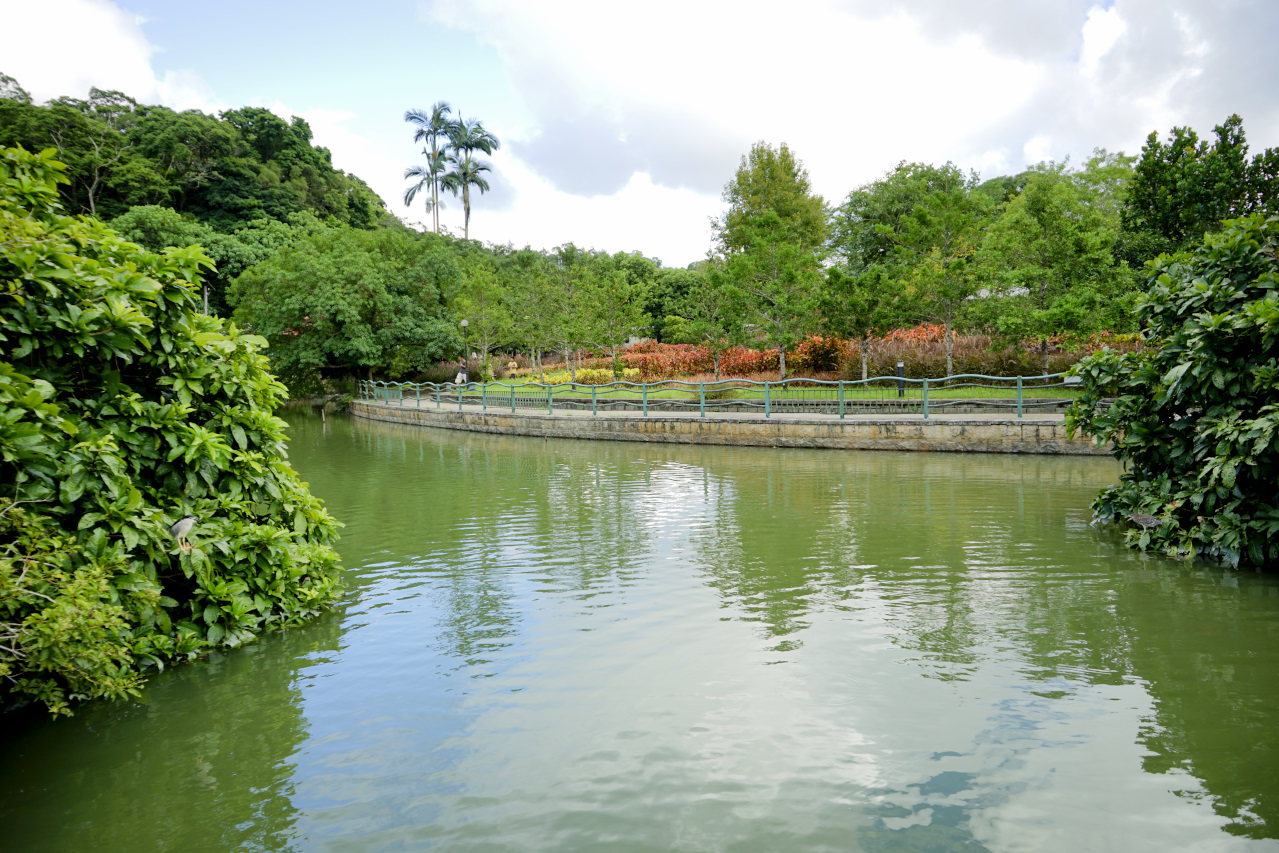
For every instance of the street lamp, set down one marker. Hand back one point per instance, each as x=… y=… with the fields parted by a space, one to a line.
x=465 y=358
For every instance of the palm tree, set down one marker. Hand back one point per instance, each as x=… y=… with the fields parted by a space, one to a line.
x=466 y=173
x=431 y=126
x=465 y=138
x=430 y=177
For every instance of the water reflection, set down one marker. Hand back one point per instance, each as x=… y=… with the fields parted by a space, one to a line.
x=549 y=645
x=214 y=774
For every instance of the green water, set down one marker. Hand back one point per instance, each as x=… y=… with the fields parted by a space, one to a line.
x=563 y=646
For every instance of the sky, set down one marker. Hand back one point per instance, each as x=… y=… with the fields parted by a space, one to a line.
x=620 y=122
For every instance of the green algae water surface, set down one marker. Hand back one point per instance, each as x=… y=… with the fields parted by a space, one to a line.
x=569 y=646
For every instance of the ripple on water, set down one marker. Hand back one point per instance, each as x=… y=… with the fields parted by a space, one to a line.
x=556 y=646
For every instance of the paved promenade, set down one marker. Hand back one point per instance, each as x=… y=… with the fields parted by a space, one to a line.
x=982 y=432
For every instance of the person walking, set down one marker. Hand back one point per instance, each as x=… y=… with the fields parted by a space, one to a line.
x=461 y=371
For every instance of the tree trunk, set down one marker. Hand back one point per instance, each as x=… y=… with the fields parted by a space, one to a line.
x=1043 y=356
x=950 y=352
x=781 y=362
x=715 y=362
x=865 y=346
x=466 y=213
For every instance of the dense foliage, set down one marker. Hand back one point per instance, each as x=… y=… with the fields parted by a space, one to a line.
x=122 y=409
x=225 y=170
x=344 y=301
x=1184 y=188
x=1196 y=413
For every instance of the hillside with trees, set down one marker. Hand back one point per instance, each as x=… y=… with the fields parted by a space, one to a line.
x=1032 y=265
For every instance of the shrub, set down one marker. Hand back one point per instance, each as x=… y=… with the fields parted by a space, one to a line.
x=821 y=355
x=1196 y=416
x=122 y=408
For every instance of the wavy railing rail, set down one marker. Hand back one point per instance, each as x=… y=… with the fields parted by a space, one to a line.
x=880 y=394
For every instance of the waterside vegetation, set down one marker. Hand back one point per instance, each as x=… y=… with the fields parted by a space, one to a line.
x=123 y=408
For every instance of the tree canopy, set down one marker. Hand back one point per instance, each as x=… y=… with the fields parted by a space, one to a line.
x=122 y=409
x=1185 y=187
x=224 y=170
x=344 y=301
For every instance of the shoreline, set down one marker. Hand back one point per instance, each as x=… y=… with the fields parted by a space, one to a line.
x=944 y=433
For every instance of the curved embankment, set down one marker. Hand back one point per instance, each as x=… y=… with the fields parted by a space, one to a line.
x=948 y=433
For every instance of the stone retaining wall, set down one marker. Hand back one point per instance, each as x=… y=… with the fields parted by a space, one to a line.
x=951 y=434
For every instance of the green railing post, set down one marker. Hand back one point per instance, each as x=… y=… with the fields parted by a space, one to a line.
x=767 y=402
x=550 y=399
x=1018 y=398
x=644 y=397
x=484 y=397
x=593 y=412
x=437 y=395
x=841 y=399
x=417 y=389
x=512 y=398
x=701 y=397
x=925 y=398
x=459 y=397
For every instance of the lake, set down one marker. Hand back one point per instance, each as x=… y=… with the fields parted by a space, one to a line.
x=594 y=646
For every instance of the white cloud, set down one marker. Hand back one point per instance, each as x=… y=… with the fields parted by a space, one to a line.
x=671 y=224
x=96 y=44
x=621 y=122
x=1100 y=32
x=696 y=83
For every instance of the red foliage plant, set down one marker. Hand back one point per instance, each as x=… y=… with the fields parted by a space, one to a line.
x=921 y=348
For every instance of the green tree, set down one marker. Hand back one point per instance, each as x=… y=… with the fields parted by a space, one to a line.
x=862 y=304
x=158 y=228
x=926 y=221
x=343 y=302
x=122 y=408
x=483 y=303
x=614 y=303
x=1194 y=417
x=526 y=275
x=1049 y=260
x=771 y=240
x=670 y=288
x=710 y=314
x=769 y=179
x=1185 y=187
x=569 y=309
x=247 y=165
x=10 y=90
x=776 y=279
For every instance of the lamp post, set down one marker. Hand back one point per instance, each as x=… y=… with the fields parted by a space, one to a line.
x=465 y=357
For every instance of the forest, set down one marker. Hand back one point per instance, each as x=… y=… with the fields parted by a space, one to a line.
x=1016 y=270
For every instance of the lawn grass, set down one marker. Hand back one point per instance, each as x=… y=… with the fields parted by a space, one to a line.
x=888 y=392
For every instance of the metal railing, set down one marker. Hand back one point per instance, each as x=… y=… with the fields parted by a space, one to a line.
x=968 y=392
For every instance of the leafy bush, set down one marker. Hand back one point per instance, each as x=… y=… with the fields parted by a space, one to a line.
x=62 y=637
x=122 y=409
x=821 y=355
x=592 y=376
x=1196 y=419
